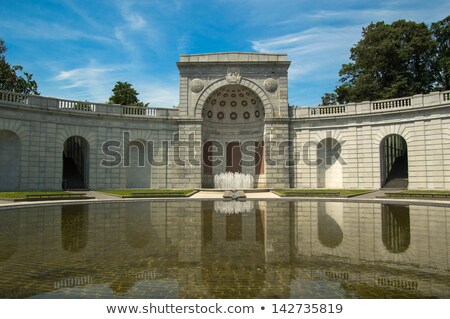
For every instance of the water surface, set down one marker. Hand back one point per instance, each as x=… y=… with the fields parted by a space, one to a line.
x=196 y=249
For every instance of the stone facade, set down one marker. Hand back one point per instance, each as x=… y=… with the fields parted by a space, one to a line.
x=235 y=100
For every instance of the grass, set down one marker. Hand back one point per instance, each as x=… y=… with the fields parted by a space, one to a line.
x=420 y=193
x=321 y=192
x=18 y=195
x=425 y=192
x=149 y=192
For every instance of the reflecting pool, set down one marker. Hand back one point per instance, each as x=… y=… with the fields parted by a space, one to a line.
x=253 y=249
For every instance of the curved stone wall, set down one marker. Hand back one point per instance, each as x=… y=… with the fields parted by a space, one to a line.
x=296 y=140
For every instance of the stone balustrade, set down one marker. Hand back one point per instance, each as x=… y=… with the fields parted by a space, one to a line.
x=48 y=103
x=338 y=109
x=368 y=107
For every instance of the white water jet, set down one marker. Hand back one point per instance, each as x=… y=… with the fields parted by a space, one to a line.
x=234 y=207
x=233 y=181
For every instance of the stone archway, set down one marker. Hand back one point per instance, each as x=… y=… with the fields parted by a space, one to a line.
x=394 y=161
x=136 y=163
x=329 y=167
x=232 y=133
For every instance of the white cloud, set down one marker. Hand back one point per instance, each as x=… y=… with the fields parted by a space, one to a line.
x=314 y=51
x=135 y=21
x=91 y=83
x=44 y=30
x=158 y=94
x=94 y=83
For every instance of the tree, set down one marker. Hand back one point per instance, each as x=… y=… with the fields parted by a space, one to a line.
x=394 y=60
x=125 y=94
x=329 y=99
x=10 y=78
x=441 y=34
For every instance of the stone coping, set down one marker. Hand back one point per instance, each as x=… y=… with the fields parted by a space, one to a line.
x=234 y=57
x=4 y=205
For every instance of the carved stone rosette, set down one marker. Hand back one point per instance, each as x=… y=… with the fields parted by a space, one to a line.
x=197 y=85
x=271 y=85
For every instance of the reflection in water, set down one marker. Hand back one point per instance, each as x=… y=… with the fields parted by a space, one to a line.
x=233 y=254
x=74 y=227
x=279 y=249
x=329 y=231
x=9 y=233
x=138 y=224
x=396 y=232
x=234 y=207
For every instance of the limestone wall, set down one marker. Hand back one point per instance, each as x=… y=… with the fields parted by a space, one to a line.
x=425 y=128
x=41 y=135
x=33 y=130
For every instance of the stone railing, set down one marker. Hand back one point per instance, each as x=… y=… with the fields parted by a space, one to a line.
x=13 y=97
x=389 y=104
x=138 y=110
x=48 y=103
x=367 y=107
x=322 y=110
x=78 y=106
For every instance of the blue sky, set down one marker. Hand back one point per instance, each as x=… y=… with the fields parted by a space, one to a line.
x=79 y=49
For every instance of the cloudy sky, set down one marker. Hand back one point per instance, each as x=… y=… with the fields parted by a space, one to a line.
x=79 y=49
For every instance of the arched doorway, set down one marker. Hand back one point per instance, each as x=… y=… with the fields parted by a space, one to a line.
x=75 y=163
x=233 y=134
x=394 y=162
x=137 y=165
x=329 y=168
x=10 y=159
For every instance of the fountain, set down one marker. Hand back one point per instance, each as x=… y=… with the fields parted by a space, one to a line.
x=233 y=181
x=234 y=207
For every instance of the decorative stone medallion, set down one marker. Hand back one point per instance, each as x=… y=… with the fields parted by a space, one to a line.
x=233 y=75
x=197 y=85
x=270 y=85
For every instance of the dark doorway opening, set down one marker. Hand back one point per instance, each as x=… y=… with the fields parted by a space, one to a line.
x=75 y=163
x=394 y=162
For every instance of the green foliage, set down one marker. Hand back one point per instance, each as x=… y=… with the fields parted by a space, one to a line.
x=329 y=99
x=441 y=34
x=394 y=60
x=125 y=94
x=10 y=77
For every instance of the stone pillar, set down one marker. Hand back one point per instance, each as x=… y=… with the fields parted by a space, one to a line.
x=277 y=155
x=185 y=156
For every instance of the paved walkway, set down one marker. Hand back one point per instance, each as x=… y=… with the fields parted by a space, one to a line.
x=219 y=195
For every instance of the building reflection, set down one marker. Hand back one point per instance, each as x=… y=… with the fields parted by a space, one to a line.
x=329 y=222
x=396 y=231
x=74 y=227
x=273 y=249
